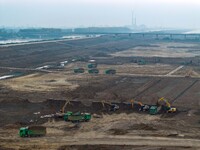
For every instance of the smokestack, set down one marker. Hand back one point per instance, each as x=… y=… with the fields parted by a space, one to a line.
x=135 y=21
x=132 y=18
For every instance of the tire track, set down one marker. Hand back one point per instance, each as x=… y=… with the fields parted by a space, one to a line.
x=186 y=89
x=147 y=86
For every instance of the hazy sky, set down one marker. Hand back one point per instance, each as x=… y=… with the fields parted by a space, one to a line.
x=76 y=13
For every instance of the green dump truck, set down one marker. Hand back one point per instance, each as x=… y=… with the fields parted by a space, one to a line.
x=110 y=71
x=92 y=65
x=153 y=110
x=93 y=71
x=79 y=70
x=32 y=131
x=77 y=117
x=141 y=62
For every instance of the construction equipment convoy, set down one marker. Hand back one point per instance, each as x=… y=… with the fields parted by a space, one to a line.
x=162 y=105
x=77 y=117
x=32 y=131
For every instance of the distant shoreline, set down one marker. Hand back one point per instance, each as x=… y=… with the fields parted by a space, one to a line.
x=24 y=42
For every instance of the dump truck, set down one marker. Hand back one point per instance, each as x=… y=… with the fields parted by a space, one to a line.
x=92 y=65
x=141 y=62
x=32 y=131
x=153 y=110
x=77 y=117
x=79 y=70
x=110 y=71
x=93 y=71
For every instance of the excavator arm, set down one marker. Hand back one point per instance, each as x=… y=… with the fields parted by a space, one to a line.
x=113 y=107
x=166 y=104
x=64 y=106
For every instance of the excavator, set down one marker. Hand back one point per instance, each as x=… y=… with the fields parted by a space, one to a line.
x=143 y=107
x=112 y=107
x=167 y=107
x=62 y=110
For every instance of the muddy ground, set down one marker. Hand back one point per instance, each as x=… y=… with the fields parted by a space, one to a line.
x=46 y=92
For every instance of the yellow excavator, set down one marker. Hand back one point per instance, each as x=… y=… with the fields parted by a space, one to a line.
x=62 y=110
x=167 y=107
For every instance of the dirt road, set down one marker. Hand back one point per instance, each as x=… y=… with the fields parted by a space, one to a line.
x=132 y=141
x=175 y=70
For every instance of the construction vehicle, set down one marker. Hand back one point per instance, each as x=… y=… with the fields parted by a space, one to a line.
x=142 y=107
x=77 y=117
x=153 y=110
x=166 y=105
x=32 y=131
x=62 y=110
x=110 y=71
x=93 y=71
x=112 y=107
x=92 y=65
x=79 y=70
x=141 y=62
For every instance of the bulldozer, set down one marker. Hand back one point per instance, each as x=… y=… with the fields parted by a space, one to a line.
x=166 y=105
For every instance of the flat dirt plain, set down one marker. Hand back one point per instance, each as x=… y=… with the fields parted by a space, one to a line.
x=171 y=70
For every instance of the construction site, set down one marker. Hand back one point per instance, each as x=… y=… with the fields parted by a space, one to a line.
x=115 y=91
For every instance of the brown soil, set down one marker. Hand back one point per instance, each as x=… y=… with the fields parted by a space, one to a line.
x=23 y=100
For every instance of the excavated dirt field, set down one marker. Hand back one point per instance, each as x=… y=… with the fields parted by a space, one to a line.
x=32 y=98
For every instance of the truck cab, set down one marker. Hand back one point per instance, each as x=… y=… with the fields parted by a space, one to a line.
x=23 y=132
x=87 y=116
x=66 y=115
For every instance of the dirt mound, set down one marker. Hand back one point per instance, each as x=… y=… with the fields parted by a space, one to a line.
x=118 y=131
x=142 y=126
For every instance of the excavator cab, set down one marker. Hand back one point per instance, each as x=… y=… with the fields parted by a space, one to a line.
x=114 y=107
x=166 y=105
x=172 y=110
x=144 y=107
